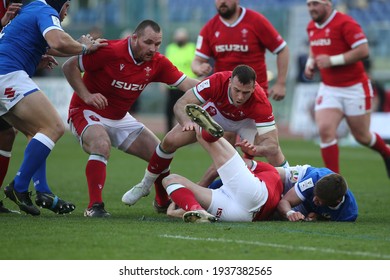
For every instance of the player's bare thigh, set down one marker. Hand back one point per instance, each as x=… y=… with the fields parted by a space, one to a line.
x=327 y=120
x=177 y=138
x=144 y=145
x=33 y=114
x=95 y=140
x=360 y=127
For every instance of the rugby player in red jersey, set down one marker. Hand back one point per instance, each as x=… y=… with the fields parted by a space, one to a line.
x=233 y=99
x=251 y=190
x=98 y=113
x=237 y=35
x=337 y=47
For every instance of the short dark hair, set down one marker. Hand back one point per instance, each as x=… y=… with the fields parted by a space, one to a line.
x=139 y=30
x=245 y=74
x=331 y=189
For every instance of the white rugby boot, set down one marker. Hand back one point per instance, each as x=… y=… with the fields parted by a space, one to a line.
x=141 y=189
x=135 y=194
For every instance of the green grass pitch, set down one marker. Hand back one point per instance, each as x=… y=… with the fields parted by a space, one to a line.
x=138 y=233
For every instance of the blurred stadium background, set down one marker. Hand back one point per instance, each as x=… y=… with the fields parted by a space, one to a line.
x=116 y=17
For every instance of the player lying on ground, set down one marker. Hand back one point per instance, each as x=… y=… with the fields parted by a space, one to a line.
x=246 y=195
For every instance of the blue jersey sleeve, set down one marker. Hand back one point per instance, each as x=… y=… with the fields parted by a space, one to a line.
x=22 y=41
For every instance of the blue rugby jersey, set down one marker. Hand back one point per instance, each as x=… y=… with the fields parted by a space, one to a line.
x=22 y=41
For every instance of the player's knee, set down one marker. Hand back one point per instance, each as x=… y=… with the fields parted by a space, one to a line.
x=100 y=146
x=165 y=181
x=60 y=128
x=55 y=131
x=363 y=139
x=170 y=179
x=273 y=150
x=168 y=144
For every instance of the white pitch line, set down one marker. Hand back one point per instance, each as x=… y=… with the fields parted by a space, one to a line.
x=281 y=246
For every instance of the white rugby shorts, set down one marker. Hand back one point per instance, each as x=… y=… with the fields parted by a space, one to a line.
x=354 y=100
x=122 y=132
x=241 y=195
x=246 y=128
x=14 y=87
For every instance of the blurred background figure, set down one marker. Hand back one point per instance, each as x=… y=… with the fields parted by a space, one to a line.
x=96 y=32
x=380 y=102
x=181 y=52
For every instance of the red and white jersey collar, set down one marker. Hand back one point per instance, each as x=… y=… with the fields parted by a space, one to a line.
x=131 y=53
x=332 y=15
x=243 y=11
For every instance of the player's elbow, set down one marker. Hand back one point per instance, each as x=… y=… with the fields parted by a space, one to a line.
x=69 y=66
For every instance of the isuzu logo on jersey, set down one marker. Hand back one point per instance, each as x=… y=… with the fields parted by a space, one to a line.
x=321 y=42
x=231 y=48
x=127 y=86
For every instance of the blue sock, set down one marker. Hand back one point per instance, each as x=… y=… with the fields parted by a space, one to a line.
x=39 y=179
x=35 y=154
x=216 y=184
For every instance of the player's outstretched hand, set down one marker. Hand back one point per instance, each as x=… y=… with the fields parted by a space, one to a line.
x=47 y=61
x=296 y=216
x=92 y=44
x=311 y=217
x=189 y=126
x=247 y=147
x=175 y=211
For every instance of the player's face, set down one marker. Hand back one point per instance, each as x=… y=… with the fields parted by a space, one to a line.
x=319 y=12
x=240 y=93
x=64 y=11
x=147 y=44
x=317 y=201
x=226 y=8
x=320 y=202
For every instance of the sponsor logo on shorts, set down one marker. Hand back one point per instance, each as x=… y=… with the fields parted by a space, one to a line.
x=219 y=213
x=9 y=92
x=94 y=118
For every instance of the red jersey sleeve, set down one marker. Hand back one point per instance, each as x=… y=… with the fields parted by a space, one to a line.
x=353 y=33
x=211 y=87
x=97 y=60
x=203 y=45
x=267 y=34
x=167 y=72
